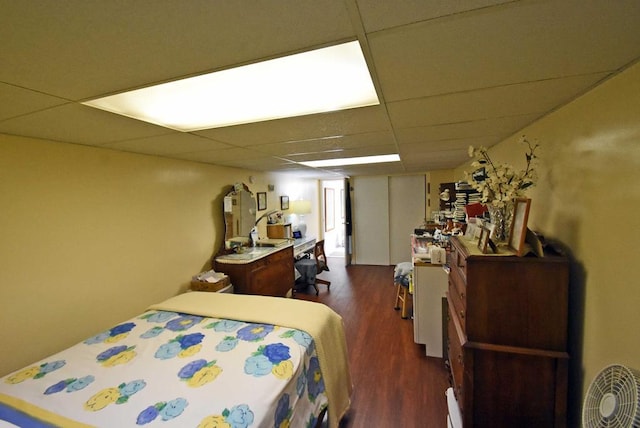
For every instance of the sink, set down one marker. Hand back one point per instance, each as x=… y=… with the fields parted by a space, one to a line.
x=247 y=254
x=272 y=242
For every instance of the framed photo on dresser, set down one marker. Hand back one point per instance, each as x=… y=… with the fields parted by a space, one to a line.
x=519 y=225
x=483 y=241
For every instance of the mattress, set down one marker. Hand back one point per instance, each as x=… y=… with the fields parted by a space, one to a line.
x=175 y=367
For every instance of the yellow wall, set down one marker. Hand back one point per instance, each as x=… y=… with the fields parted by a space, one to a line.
x=89 y=237
x=588 y=197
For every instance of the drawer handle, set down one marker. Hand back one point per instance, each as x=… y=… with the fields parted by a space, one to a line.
x=462 y=295
x=462 y=314
x=460 y=359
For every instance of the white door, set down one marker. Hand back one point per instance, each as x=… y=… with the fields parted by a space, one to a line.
x=406 y=212
x=371 y=220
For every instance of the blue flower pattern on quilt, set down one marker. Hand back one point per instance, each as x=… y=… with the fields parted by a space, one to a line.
x=182 y=346
x=199 y=372
x=113 y=335
x=118 y=395
x=240 y=416
x=70 y=385
x=116 y=355
x=226 y=326
x=315 y=382
x=35 y=372
x=254 y=332
x=270 y=358
x=166 y=410
x=159 y=316
x=283 y=412
x=184 y=322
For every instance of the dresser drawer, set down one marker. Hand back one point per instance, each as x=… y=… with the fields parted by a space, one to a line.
x=457 y=305
x=458 y=262
x=458 y=284
x=456 y=358
x=279 y=256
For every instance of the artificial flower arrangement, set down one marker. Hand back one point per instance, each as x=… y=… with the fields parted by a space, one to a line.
x=502 y=184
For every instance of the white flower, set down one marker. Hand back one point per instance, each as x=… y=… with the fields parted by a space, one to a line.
x=502 y=184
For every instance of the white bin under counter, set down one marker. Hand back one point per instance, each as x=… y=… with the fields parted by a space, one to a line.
x=430 y=283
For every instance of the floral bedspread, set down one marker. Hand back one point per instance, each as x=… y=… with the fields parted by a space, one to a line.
x=169 y=369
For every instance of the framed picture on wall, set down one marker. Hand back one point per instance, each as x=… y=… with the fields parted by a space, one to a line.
x=284 y=203
x=519 y=225
x=262 y=201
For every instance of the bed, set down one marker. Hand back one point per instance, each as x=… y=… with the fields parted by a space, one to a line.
x=196 y=360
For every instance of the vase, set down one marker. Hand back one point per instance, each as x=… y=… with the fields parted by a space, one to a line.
x=498 y=216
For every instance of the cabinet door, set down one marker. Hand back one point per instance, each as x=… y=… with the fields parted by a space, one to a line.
x=261 y=280
x=273 y=275
x=430 y=286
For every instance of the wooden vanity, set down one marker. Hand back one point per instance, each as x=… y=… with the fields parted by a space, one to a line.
x=264 y=270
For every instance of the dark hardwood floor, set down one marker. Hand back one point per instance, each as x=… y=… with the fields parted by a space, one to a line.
x=395 y=384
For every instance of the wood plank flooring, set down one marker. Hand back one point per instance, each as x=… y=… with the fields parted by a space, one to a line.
x=395 y=384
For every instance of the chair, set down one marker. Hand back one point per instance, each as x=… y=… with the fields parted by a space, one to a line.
x=321 y=263
x=401 y=297
x=307 y=269
x=402 y=279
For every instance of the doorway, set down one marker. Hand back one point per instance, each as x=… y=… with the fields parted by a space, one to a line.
x=333 y=217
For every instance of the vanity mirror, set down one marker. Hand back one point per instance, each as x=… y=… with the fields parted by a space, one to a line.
x=239 y=216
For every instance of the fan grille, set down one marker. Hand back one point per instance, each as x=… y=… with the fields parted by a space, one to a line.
x=613 y=399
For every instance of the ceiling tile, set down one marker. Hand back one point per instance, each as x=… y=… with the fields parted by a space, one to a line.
x=495 y=128
x=434 y=160
x=438 y=147
x=329 y=144
x=515 y=43
x=509 y=100
x=347 y=153
x=448 y=73
x=378 y=15
x=174 y=143
x=370 y=169
x=75 y=123
x=15 y=101
x=94 y=48
x=221 y=156
x=346 y=122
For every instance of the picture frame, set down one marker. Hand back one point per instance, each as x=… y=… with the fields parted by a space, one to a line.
x=478 y=229
x=518 y=231
x=284 y=203
x=262 y=201
x=470 y=232
x=483 y=241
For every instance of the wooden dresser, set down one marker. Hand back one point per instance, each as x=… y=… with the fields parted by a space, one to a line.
x=507 y=337
x=270 y=274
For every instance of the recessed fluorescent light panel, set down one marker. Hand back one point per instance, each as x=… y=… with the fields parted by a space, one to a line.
x=322 y=80
x=352 y=161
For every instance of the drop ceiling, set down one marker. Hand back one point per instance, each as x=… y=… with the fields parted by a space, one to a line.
x=449 y=74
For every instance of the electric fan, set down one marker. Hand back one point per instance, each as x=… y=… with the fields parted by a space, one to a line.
x=613 y=399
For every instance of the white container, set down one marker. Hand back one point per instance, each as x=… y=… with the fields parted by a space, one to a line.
x=430 y=283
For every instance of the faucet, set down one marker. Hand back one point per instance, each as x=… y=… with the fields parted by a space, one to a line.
x=265 y=215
